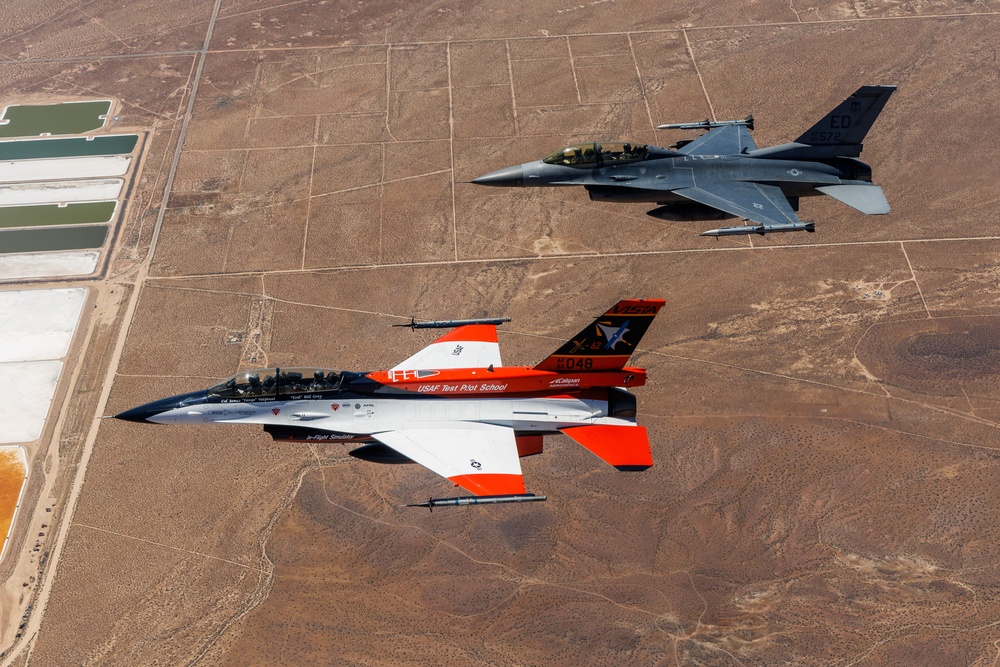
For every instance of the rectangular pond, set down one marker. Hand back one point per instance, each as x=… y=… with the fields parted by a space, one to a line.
x=43 y=215
x=33 y=149
x=59 y=168
x=31 y=120
x=60 y=192
x=49 y=264
x=53 y=238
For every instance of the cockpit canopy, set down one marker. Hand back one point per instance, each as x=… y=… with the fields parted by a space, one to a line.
x=586 y=155
x=277 y=382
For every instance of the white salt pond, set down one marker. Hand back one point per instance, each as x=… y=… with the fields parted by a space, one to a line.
x=57 y=192
x=23 y=411
x=48 y=264
x=100 y=166
x=36 y=329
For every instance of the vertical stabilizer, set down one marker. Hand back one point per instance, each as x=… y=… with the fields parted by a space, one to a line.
x=608 y=342
x=848 y=124
x=840 y=133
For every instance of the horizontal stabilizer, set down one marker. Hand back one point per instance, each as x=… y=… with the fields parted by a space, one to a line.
x=868 y=199
x=624 y=447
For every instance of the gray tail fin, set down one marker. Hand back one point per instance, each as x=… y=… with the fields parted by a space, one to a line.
x=848 y=124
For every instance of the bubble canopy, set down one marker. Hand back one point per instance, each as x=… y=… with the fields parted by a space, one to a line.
x=597 y=154
x=277 y=382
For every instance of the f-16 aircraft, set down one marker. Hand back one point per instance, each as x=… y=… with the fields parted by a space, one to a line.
x=722 y=174
x=452 y=407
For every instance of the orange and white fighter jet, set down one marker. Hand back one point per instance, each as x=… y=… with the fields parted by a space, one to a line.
x=452 y=407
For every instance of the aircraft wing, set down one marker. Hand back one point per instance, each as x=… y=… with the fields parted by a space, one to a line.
x=469 y=346
x=481 y=458
x=763 y=204
x=725 y=140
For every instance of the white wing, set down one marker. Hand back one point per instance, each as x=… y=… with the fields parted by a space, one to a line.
x=481 y=458
x=471 y=346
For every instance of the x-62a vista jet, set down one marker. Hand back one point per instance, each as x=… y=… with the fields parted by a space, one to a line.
x=452 y=407
x=722 y=174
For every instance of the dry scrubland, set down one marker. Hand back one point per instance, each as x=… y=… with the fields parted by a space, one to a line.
x=826 y=468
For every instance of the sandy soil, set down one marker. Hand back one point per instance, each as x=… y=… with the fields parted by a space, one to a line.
x=823 y=408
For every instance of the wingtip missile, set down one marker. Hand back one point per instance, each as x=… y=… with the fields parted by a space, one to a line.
x=745 y=230
x=707 y=124
x=478 y=500
x=450 y=324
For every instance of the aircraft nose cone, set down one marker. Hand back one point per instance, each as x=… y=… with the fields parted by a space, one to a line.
x=140 y=414
x=146 y=413
x=506 y=177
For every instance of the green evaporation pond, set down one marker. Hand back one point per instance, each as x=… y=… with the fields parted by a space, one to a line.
x=54 y=214
x=62 y=238
x=31 y=120
x=107 y=144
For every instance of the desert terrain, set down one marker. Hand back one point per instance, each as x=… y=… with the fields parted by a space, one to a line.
x=823 y=408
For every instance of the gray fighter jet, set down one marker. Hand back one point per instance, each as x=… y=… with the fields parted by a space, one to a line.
x=722 y=174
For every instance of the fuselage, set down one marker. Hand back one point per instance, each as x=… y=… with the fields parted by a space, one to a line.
x=358 y=405
x=652 y=179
